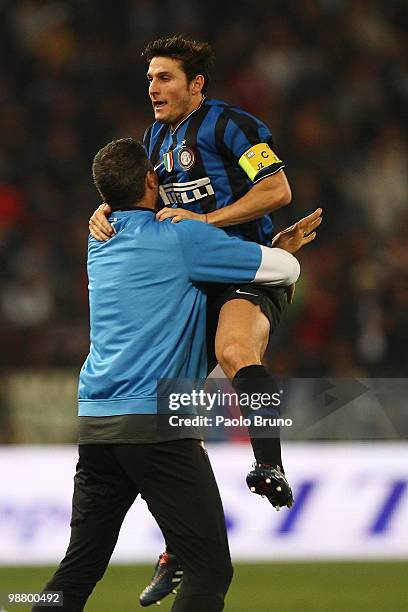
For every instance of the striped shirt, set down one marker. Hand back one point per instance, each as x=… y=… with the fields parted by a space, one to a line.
x=211 y=159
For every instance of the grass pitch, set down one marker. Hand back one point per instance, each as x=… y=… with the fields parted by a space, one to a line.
x=291 y=587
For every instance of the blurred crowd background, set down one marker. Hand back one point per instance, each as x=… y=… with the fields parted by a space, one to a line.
x=329 y=77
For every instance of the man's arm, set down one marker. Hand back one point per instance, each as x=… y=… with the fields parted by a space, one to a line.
x=210 y=255
x=264 y=197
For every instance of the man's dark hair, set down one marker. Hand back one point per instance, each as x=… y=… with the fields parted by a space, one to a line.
x=119 y=171
x=195 y=57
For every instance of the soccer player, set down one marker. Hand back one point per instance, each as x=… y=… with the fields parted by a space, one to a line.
x=137 y=281
x=216 y=164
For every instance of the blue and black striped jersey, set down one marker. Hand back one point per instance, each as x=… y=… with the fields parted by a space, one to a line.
x=211 y=159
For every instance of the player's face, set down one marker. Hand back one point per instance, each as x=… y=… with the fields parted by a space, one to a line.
x=172 y=96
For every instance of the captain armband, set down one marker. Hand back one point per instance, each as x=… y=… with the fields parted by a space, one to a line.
x=257 y=158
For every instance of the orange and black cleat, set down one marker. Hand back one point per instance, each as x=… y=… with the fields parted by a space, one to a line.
x=165 y=580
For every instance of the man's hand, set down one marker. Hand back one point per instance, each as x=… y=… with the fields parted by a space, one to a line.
x=178 y=214
x=99 y=226
x=304 y=231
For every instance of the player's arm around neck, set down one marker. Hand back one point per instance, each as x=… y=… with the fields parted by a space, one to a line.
x=264 y=197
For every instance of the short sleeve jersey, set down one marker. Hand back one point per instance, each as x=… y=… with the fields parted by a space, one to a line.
x=211 y=159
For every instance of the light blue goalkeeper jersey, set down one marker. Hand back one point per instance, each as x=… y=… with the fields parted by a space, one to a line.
x=147 y=310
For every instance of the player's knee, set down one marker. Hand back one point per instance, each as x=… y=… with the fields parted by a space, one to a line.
x=233 y=356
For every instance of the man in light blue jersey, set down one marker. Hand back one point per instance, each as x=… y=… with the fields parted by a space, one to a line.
x=147 y=316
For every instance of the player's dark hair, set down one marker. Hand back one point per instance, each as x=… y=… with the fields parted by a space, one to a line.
x=119 y=170
x=195 y=57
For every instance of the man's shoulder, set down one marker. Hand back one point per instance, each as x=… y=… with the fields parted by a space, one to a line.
x=141 y=229
x=153 y=130
x=230 y=111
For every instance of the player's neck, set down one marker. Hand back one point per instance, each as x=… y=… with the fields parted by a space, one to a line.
x=195 y=105
x=148 y=202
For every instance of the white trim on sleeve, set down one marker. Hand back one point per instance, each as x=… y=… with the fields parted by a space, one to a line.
x=278 y=267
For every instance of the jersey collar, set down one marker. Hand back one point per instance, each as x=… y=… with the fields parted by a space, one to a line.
x=188 y=116
x=131 y=208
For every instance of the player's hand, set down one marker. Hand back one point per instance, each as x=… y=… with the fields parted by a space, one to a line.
x=178 y=214
x=99 y=226
x=304 y=231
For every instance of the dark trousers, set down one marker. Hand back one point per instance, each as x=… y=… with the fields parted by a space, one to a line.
x=177 y=482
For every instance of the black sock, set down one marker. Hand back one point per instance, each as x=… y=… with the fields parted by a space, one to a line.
x=265 y=442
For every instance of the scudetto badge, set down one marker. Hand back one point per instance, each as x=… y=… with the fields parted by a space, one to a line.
x=168 y=161
x=186 y=158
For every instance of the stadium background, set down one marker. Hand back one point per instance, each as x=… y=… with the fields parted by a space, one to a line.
x=330 y=77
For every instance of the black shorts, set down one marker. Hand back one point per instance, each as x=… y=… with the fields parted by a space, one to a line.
x=272 y=301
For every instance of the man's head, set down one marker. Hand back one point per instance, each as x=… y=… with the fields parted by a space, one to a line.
x=124 y=176
x=178 y=73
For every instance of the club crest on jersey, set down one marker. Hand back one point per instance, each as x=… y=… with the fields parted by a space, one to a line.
x=186 y=158
x=168 y=161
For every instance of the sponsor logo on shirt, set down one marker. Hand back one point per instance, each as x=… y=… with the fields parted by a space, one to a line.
x=186 y=193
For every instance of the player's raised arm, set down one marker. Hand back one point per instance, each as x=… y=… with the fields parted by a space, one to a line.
x=270 y=193
x=264 y=197
x=248 y=145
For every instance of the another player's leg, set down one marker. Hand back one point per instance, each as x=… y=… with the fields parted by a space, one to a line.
x=102 y=496
x=242 y=337
x=183 y=496
x=167 y=573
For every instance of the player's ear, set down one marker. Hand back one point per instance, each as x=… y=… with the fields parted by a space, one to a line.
x=197 y=84
x=151 y=180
